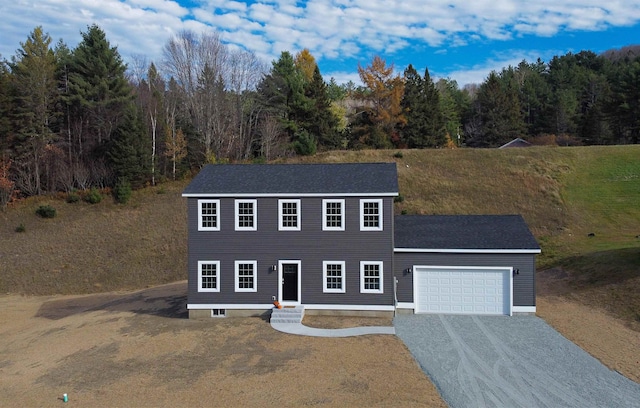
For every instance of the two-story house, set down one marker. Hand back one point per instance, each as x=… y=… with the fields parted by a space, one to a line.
x=323 y=236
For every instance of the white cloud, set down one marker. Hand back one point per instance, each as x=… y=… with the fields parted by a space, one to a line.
x=479 y=72
x=343 y=77
x=331 y=29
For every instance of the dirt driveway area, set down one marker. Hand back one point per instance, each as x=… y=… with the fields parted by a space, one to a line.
x=139 y=350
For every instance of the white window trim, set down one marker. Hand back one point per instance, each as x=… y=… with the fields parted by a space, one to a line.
x=200 y=227
x=342 y=277
x=255 y=215
x=325 y=227
x=255 y=276
x=380 y=264
x=380 y=217
x=299 y=211
x=200 y=288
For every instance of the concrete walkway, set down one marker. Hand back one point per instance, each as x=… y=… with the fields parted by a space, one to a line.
x=302 y=330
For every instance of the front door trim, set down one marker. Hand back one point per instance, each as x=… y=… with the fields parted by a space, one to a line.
x=281 y=281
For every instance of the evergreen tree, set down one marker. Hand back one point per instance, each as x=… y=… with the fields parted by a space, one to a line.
x=34 y=105
x=535 y=95
x=98 y=90
x=593 y=126
x=321 y=122
x=624 y=104
x=282 y=94
x=6 y=107
x=335 y=91
x=63 y=57
x=498 y=109
x=421 y=104
x=455 y=105
x=128 y=153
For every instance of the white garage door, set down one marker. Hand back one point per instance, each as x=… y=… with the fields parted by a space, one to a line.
x=462 y=290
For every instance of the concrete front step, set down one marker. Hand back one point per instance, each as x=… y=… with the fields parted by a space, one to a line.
x=287 y=315
x=282 y=320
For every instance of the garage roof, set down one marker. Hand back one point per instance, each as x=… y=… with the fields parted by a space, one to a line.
x=295 y=179
x=463 y=232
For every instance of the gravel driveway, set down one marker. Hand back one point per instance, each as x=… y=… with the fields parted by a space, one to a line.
x=518 y=361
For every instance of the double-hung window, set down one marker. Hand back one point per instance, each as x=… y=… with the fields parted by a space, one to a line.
x=371 y=277
x=289 y=215
x=208 y=215
x=246 y=215
x=208 y=276
x=333 y=215
x=246 y=276
x=370 y=215
x=333 y=276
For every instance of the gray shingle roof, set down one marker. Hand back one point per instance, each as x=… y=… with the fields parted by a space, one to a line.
x=342 y=178
x=508 y=232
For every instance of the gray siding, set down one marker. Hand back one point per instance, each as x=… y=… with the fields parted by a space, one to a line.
x=311 y=246
x=523 y=283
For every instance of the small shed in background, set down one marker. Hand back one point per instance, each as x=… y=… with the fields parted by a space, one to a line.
x=517 y=142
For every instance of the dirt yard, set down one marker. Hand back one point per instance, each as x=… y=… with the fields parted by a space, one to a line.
x=139 y=350
x=608 y=339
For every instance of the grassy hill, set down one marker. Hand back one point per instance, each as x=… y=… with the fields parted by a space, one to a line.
x=582 y=203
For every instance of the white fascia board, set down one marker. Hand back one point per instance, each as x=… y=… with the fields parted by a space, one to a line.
x=201 y=306
x=351 y=307
x=239 y=195
x=524 y=309
x=466 y=267
x=468 y=251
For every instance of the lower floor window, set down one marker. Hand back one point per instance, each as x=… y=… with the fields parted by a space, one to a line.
x=333 y=272
x=209 y=276
x=371 y=277
x=246 y=276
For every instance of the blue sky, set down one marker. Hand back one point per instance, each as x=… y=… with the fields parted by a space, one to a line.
x=460 y=39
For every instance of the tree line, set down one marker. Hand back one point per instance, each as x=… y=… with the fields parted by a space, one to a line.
x=80 y=118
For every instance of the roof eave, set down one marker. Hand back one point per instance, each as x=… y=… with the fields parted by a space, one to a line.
x=471 y=250
x=259 y=195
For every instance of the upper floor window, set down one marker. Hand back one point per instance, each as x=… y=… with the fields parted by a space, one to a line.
x=208 y=276
x=246 y=280
x=208 y=215
x=371 y=215
x=246 y=215
x=333 y=215
x=371 y=277
x=289 y=215
x=333 y=276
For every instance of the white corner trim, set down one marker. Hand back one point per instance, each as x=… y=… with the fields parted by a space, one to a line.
x=405 y=305
x=469 y=251
x=351 y=307
x=204 y=306
x=524 y=309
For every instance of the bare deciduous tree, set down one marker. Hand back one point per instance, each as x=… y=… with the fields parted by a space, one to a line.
x=272 y=137
x=198 y=64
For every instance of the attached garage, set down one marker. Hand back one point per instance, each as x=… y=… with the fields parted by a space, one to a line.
x=464 y=264
x=463 y=290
